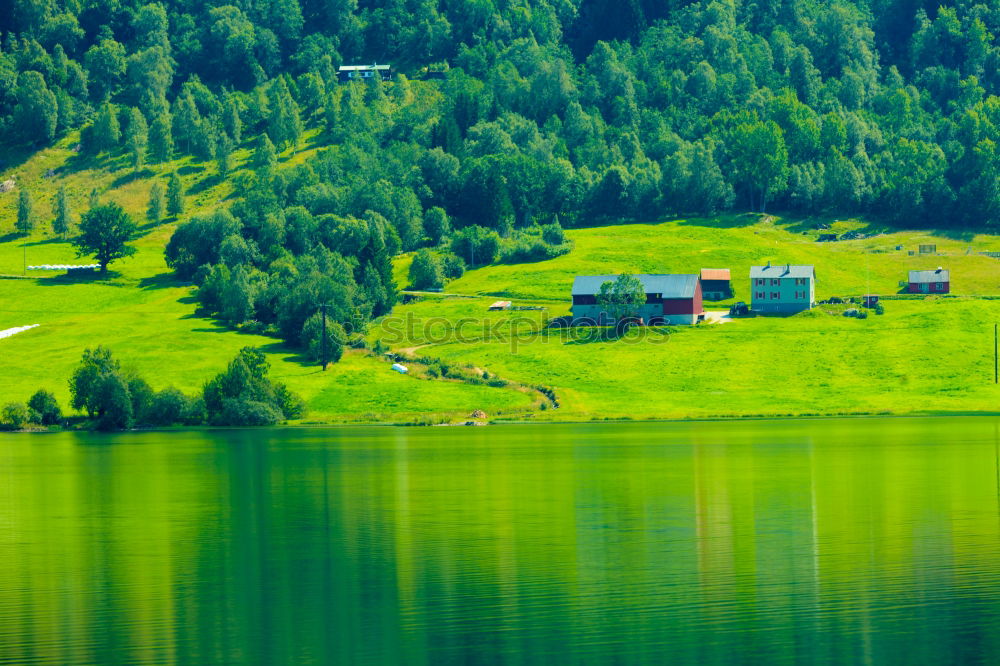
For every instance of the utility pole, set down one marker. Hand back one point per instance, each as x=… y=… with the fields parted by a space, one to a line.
x=323 y=357
x=996 y=356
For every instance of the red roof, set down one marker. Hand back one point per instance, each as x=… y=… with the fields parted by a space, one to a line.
x=715 y=274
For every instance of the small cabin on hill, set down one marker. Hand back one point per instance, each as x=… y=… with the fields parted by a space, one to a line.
x=671 y=299
x=929 y=282
x=715 y=284
x=782 y=288
x=348 y=73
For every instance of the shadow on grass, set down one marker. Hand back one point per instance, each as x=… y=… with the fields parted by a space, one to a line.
x=12 y=236
x=161 y=281
x=82 y=277
x=586 y=335
x=189 y=169
x=963 y=235
x=130 y=177
x=205 y=184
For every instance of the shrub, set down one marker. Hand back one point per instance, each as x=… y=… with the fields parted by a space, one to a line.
x=168 y=407
x=879 y=309
x=453 y=266
x=46 y=409
x=16 y=415
x=426 y=271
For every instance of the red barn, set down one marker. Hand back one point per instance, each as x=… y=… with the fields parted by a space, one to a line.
x=670 y=299
x=930 y=282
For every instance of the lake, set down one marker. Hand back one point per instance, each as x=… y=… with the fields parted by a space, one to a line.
x=816 y=541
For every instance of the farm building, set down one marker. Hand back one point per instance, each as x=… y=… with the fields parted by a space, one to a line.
x=500 y=305
x=782 y=288
x=348 y=73
x=670 y=299
x=930 y=282
x=715 y=284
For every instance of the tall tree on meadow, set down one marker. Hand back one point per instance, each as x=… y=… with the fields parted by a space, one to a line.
x=154 y=211
x=175 y=195
x=61 y=210
x=137 y=138
x=622 y=297
x=223 y=154
x=25 y=213
x=105 y=232
x=106 y=131
x=161 y=138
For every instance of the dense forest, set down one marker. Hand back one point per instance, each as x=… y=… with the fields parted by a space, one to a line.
x=540 y=114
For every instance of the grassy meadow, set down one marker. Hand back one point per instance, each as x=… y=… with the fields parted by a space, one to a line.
x=921 y=356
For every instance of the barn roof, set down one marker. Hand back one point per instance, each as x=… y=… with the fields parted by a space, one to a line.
x=940 y=275
x=715 y=274
x=670 y=285
x=783 y=271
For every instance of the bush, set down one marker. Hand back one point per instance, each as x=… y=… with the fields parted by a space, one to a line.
x=879 y=310
x=168 y=407
x=236 y=412
x=46 y=409
x=453 y=266
x=553 y=233
x=426 y=271
x=16 y=415
x=862 y=314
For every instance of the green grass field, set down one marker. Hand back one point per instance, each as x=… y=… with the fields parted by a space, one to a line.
x=921 y=356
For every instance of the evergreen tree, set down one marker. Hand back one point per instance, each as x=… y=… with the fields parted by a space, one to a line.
x=155 y=209
x=61 y=210
x=93 y=200
x=25 y=213
x=175 y=195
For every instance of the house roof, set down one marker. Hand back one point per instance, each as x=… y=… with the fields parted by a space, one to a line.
x=715 y=274
x=783 y=271
x=670 y=285
x=940 y=275
x=355 y=68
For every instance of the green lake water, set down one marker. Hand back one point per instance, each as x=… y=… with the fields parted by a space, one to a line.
x=825 y=541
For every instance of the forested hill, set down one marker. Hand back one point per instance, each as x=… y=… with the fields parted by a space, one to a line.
x=580 y=108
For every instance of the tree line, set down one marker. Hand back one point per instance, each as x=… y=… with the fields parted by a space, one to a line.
x=114 y=398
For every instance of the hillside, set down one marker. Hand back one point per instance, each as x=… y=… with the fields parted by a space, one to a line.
x=513 y=145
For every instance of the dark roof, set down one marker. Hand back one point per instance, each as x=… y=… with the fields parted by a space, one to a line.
x=940 y=275
x=715 y=274
x=782 y=271
x=670 y=285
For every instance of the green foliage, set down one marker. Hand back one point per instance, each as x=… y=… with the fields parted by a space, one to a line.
x=476 y=245
x=105 y=232
x=175 y=195
x=137 y=138
x=15 y=415
x=63 y=215
x=45 y=408
x=25 y=212
x=37 y=110
x=312 y=338
x=244 y=395
x=622 y=297
x=426 y=270
x=155 y=208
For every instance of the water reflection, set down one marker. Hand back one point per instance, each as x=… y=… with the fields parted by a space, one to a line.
x=825 y=541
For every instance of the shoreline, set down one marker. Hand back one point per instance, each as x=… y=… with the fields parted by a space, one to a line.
x=515 y=422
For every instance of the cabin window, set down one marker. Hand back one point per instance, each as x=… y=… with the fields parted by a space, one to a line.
x=799 y=282
x=759 y=295
x=760 y=282
x=775 y=295
x=940 y=286
x=775 y=282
